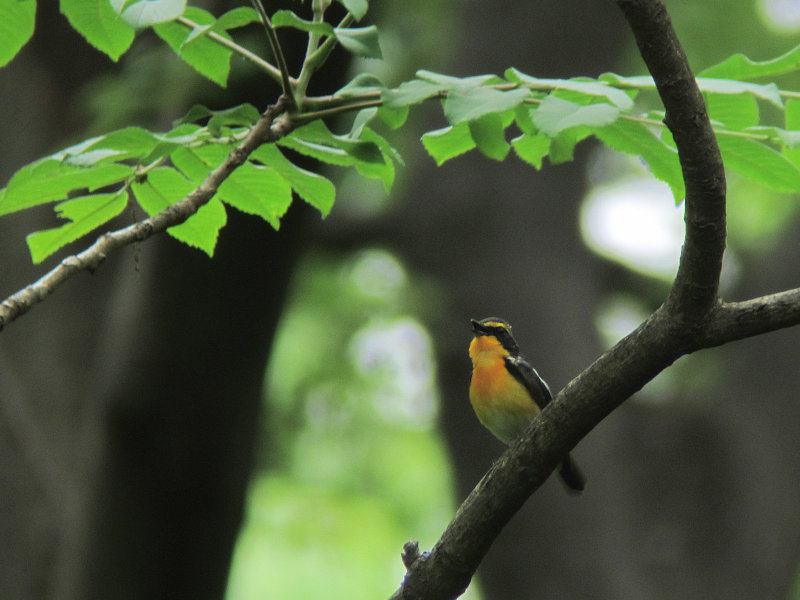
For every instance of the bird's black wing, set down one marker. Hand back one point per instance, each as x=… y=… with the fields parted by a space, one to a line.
x=528 y=377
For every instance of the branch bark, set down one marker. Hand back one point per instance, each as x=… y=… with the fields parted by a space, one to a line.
x=269 y=128
x=692 y=317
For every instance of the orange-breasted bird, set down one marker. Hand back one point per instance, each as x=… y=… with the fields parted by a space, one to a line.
x=506 y=392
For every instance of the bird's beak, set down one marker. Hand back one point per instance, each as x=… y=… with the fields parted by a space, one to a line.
x=477 y=328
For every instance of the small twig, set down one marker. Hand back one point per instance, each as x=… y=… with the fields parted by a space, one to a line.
x=265 y=66
x=277 y=51
x=267 y=129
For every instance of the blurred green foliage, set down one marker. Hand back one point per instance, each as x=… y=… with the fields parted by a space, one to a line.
x=352 y=466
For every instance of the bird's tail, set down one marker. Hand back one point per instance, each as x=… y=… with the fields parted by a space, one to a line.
x=571 y=475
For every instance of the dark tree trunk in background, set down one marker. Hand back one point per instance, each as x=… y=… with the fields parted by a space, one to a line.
x=129 y=401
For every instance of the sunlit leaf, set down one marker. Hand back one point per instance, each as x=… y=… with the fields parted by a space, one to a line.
x=164 y=187
x=258 y=190
x=554 y=115
x=532 y=148
x=634 y=138
x=740 y=66
x=17 y=19
x=488 y=133
x=759 y=163
x=286 y=18
x=447 y=143
x=314 y=189
x=480 y=101
x=85 y=213
x=144 y=13
x=96 y=21
x=361 y=41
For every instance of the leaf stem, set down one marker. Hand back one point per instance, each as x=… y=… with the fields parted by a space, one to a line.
x=265 y=66
x=277 y=51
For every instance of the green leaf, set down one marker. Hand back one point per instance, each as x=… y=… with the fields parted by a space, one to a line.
x=257 y=190
x=739 y=66
x=197 y=162
x=393 y=117
x=447 y=143
x=49 y=179
x=759 y=163
x=103 y=28
x=86 y=213
x=768 y=92
x=314 y=189
x=410 y=92
x=144 y=13
x=532 y=148
x=17 y=20
x=286 y=18
x=588 y=88
x=634 y=138
x=488 y=133
x=361 y=41
x=363 y=83
x=357 y=7
x=734 y=111
x=204 y=55
x=477 y=102
x=792 y=120
x=448 y=82
x=237 y=17
x=555 y=115
x=162 y=188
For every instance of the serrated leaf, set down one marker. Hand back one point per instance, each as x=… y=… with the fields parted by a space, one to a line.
x=358 y=8
x=477 y=102
x=145 y=13
x=243 y=115
x=555 y=115
x=394 y=118
x=448 y=82
x=410 y=92
x=363 y=83
x=197 y=163
x=739 y=66
x=237 y=17
x=449 y=142
x=85 y=213
x=314 y=189
x=49 y=179
x=634 y=138
x=759 y=163
x=532 y=148
x=207 y=57
x=734 y=111
x=782 y=137
x=589 y=88
x=17 y=20
x=286 y=18
x=164 y=187
x=103 y=28
x=257 y=190
x=768 y=92
x=360 y=41
x=384 y=169
x=488 y=133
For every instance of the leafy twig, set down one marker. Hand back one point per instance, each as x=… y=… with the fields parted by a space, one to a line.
x=270 y=127
x=264 y=65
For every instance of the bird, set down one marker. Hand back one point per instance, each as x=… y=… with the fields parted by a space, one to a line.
x=506 y=392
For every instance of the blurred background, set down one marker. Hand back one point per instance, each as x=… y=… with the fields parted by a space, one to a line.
x=278 y=421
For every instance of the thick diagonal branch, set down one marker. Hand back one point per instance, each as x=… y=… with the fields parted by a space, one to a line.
x=635 y=360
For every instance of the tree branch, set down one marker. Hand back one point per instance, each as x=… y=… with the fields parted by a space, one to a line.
x=267 y=129
x=667 y=334
x=695 y=289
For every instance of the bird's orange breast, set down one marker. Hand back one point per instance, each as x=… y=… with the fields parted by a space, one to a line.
x=500 y=402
